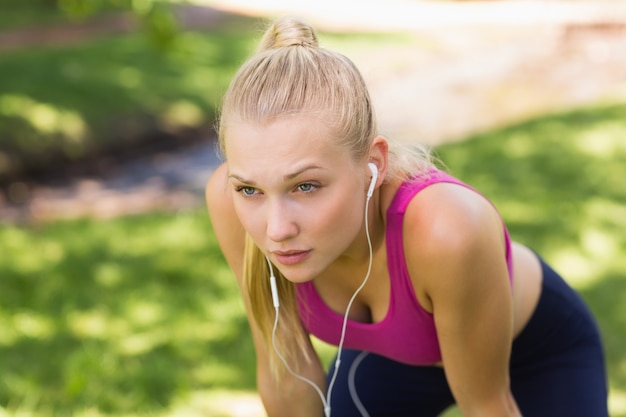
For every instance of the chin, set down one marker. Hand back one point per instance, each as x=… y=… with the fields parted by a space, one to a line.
x=298 y=278
x=297 y=275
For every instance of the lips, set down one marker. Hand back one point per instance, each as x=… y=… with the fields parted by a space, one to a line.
x=291 y=257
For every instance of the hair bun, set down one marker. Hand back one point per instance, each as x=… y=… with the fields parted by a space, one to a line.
x=286 y=32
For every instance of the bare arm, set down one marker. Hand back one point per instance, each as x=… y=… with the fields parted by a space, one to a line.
x=459 y=270
x=291 y=397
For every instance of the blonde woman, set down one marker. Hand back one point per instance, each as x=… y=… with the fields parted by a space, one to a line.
x=370 y=247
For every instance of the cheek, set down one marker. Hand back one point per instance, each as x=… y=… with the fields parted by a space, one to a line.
x=250 y=219
x=341 y=217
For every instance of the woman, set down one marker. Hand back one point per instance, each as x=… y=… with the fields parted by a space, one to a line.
x=405 y=268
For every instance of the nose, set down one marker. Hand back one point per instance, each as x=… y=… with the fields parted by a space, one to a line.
x=281 y=224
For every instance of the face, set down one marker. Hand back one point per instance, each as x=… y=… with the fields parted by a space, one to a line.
x=299 y=196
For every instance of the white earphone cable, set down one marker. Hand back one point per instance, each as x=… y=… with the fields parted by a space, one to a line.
x=345 y=317
x=352 y=384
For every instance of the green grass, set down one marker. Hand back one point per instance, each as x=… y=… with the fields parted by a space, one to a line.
x=139 y=316
x=79 y=98
x=122 y=316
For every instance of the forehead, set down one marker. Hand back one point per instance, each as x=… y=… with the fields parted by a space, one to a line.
x=282 y=140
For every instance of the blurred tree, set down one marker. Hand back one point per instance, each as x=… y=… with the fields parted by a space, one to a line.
x=155 y=16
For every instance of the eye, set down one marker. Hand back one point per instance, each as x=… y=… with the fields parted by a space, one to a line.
x=246 y=191
x=306 y=187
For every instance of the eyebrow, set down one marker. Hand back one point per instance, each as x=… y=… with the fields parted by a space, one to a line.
x=241 y=179
x=300 y=171
x=286 y=177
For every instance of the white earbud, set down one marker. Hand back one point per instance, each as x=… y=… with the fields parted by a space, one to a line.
x=374 y=170
x=275 y=299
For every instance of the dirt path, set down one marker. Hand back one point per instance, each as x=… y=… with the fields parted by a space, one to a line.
x=503 y=76
x=470 y=76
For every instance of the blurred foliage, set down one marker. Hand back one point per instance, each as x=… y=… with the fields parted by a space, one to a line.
x=155 y=16
x=26 y=13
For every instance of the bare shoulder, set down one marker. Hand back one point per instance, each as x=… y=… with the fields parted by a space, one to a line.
x=226 y=225
x=451 y=235
x=450 y=216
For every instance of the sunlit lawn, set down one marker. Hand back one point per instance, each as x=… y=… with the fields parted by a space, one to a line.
x=139 y=316
x=127 y=316
x=110 y=91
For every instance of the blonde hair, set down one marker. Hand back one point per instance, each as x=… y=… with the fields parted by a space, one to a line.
x=291 y=75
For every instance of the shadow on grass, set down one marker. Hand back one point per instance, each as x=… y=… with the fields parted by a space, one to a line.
x=560 y=184
x=121 y=316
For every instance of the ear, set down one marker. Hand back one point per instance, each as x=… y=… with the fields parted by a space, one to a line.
x=379 y=153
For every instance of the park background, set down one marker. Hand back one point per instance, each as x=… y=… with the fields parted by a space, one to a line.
x=114 y=298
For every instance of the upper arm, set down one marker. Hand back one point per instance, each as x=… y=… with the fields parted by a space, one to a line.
x=460 y=268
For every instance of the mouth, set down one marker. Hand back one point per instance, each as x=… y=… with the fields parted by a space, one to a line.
x=291 y=257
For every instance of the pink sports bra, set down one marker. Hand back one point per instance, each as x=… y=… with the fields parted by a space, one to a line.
x=407 y=334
